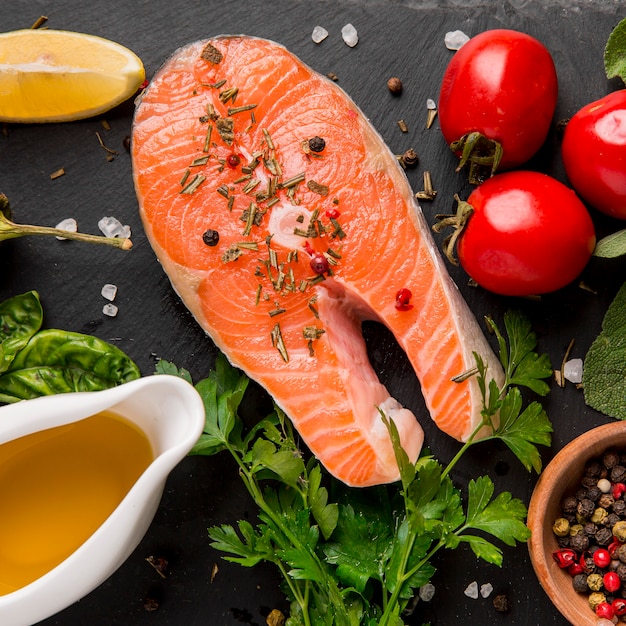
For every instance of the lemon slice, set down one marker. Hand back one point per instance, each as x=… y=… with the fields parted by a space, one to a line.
x=57 y=76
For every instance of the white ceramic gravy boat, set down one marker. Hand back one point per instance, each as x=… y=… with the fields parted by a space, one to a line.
x=171 y=414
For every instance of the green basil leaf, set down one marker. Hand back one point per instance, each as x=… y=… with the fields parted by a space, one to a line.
x=57 y=361
x=615 y=52
x=20 y=318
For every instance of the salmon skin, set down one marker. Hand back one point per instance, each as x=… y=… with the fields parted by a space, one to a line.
x=248 y=166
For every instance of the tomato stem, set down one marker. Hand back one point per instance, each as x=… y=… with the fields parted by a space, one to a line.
x=481 y=153
x=457 y=221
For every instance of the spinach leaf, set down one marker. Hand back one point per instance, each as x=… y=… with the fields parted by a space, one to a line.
x=58 y=361
x=20 y=318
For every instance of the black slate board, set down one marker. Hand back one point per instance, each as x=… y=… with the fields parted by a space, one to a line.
x=403 y=39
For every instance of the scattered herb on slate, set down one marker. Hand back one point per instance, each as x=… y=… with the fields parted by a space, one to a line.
x=615 y=52
x=35 y=362
x=11 y=230
x=361 y=555
x=604 y=367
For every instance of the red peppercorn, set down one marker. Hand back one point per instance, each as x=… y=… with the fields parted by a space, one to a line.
x=601 y=557
x=611 y=582
x=319 y=263
x=605 y=610
x=233 y=160
x=613 y=547
x=619 y=606
x=575 y=568
x=619 y=489
x=332 y=213
x=403 y=297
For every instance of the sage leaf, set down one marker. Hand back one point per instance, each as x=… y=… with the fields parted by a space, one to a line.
x=615 y=52
x=604 y=368
x=20 y=318
x=58 y=361
x=611 y=246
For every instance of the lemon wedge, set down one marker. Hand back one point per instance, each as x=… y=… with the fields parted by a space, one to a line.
x=58 y=76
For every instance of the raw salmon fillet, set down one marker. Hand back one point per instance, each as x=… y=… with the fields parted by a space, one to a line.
x=236 y=201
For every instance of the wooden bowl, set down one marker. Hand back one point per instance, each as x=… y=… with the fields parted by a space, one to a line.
x=562 y=477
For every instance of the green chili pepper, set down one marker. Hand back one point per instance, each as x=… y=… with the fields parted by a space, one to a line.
x=11 y=230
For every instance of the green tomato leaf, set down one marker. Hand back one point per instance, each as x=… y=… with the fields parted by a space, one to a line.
x=57 y=361
x=611 y=246
x=20 y=318
x=604 y=368
x=615 y=52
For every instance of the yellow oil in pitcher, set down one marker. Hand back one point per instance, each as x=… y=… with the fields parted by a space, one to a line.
x=57 y=486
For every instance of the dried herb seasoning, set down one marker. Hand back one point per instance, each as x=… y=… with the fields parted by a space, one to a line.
x=212 y=54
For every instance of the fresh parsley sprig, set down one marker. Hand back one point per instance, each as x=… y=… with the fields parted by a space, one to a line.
x=356 y=557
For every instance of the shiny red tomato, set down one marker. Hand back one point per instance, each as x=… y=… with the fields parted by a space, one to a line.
x=501 y=84
x=528 y=234
x=594 y=153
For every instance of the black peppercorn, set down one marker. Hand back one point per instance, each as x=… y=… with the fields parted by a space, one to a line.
x=564 y=542
x=620 y=570
x=410 y=158
x=610 y=459
x=593 y=469
x=619 y=507
x=589 y=565
x=586 y=507
x=604 y=536
x=395 y=86
x=211 y=237
x=611 y=519
x=594 y=493
x=589 y=481
x=569 y=505
x=579 y=582
x=606 y=501
x=316 y=144
x=618 y=474
x=589 y=529
x=579 y=542
x=501 y=603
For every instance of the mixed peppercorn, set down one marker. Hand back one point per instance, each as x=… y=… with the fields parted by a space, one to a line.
x=591 y=534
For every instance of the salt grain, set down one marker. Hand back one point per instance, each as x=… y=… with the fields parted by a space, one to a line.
x=109 y=292
x=427 y=592
x=573 y=370
x=109 y=309
x=471 y=591
x=69 y=224
x=455 y=39
x=349 y=35
x=430 y=104
x=112 y=227
x=319 y=34
x=486 y=590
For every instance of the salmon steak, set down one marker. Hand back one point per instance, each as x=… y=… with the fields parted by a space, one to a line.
x=283 y=221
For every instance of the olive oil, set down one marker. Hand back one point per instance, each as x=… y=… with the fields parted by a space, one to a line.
x=58 y=486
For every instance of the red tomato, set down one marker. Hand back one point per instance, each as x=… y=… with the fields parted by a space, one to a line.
x=594 y=153
x=503 y=85
x=528 y=234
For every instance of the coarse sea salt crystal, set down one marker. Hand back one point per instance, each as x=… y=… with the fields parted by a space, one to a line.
x=486 y=589
x=109 y=292
x=109 y=309
x=68 y=224
x=604 y=622
x=471 y=591
x=430 y=104
x=319 y=34
x=573 y=371
x=112 y=227
x=426 y=592
x=349 y=35
x=455 y=39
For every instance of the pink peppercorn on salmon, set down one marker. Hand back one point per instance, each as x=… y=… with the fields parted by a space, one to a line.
x=283 y=222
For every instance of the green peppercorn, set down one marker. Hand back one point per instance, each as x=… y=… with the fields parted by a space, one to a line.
x=619 y=530
x=594 y=582
x=560 y=527
x=621 y=553
x=595 y=598
x=599 y=515
x=576 y=529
